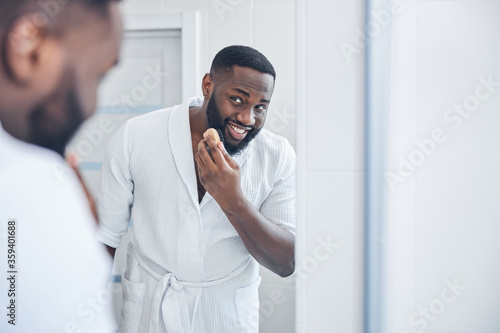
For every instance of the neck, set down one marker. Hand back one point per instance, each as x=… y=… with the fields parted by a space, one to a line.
x=13 y=111
x=198 y=120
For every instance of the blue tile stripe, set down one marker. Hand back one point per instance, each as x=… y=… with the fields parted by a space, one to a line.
x=124 y=109
x=90 y=166
x=116 y=279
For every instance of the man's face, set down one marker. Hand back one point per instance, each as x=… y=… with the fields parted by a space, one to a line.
x=51 y=129
x=90 y=51
x=238 y=106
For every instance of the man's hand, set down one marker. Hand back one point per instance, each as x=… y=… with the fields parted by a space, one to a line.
x=219 y=173
x=271 y=245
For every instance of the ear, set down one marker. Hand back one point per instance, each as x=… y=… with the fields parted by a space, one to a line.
x=33 y=59
x=207 y=85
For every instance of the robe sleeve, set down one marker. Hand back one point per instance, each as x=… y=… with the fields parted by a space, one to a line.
x=116 y=193
x=280 y=206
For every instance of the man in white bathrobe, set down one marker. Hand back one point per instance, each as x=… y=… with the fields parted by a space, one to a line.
x=204 y=214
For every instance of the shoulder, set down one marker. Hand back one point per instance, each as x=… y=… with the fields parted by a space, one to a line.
x=274 y=146
x=147 y=127
x=161 y=117
x=55 y=225
x=36 y=173
x=26 y=162
x=149 y=120
x=157 y=115
x=273 y=154
x=40 y=188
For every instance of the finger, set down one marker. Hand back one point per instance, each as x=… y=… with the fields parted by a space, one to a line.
x=229 y=160
x=215 y=150
x=200 y=162
x=203 y=152
x=212 y=148
x=202 y=169
x=200 y=165
x=210 y=141
x=73 y=160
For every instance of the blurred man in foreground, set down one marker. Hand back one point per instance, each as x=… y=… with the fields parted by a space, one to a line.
x=53 y=53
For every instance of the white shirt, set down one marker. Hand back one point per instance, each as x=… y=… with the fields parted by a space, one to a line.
x=62 y=271
x=188 y=270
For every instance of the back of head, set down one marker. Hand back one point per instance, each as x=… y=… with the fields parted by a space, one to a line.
x=243 y=56
x=46 y=11
x=53 y=54
x=53 y=16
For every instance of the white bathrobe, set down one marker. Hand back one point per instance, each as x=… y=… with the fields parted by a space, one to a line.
x=187 y=270
x=62 y=271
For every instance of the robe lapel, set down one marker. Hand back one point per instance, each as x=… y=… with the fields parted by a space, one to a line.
x=180 y=142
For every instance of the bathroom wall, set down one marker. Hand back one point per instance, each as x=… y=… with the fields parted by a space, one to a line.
x=330 y=146
x=443 y=235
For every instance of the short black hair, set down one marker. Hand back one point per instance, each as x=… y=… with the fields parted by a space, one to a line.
x=11 y=10
x=56 y=15
x=243 y=56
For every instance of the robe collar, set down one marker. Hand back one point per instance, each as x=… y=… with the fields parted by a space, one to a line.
x=180 y=141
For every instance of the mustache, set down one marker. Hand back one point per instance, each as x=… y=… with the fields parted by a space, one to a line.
x=226 y=122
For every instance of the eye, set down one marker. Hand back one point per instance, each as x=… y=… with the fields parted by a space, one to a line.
x=237 y=100
x=261 y=108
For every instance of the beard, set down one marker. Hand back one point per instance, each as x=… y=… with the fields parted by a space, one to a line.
x=215 y=121
x=53 y=122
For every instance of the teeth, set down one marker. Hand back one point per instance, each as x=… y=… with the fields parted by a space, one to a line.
x=237 y=129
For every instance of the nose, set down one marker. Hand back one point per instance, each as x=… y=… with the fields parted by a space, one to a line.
x=246 y=117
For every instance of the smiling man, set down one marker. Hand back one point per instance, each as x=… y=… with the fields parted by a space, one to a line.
x=202 y=222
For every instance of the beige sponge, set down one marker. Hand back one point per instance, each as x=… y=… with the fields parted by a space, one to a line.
x=214 y=134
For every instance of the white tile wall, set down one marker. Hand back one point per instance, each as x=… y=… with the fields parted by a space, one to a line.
x=228 y=25
x=333 y=288
x=142 y=7
x=330 y=138
x=444 y=219
x=273 y=2
x=172 y=5
x=334 y=87
x=276 y=39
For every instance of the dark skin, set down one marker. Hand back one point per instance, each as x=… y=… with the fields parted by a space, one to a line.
x=242 y=97
x=37 y=59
